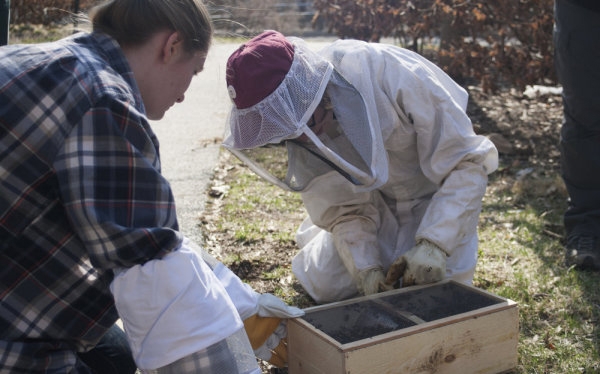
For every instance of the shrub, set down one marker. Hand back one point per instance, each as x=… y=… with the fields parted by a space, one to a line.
x=494 y=43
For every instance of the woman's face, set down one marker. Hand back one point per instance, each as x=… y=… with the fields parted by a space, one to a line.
x=171 y=84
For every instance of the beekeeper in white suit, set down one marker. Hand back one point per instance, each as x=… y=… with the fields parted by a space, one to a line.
x=377 y=141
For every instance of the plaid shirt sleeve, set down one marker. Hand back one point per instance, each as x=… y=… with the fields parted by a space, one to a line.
x=119 y=204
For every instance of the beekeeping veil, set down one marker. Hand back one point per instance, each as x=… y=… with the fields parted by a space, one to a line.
x=276 y=83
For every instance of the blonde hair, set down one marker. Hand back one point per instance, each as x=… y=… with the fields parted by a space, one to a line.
x=132 y=22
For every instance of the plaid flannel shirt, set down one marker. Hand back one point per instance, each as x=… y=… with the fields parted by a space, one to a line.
x=81 y=193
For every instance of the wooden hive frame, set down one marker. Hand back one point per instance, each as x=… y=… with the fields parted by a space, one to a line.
x=481 y=340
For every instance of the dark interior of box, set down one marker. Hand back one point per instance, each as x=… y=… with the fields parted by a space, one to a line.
x=368 y=318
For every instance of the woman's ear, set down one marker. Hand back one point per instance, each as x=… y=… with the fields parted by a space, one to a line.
x=172 y=48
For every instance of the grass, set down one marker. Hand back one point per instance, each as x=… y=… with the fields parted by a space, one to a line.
x=520 y=258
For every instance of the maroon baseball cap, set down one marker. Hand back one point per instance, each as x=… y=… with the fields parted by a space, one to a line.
x=257 y=68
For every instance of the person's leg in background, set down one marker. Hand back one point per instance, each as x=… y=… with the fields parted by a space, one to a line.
x=4 y=21
x=577 y=61
x=111 y=355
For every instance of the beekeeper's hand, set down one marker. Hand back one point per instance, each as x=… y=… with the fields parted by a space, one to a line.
x=424 y=263
x=267 y=329
x=372 y=281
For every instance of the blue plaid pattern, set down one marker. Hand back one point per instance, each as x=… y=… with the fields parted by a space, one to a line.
x=80 y=193
x=216 y=358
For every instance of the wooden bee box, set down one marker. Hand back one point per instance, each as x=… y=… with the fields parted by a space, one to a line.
x=447 y=327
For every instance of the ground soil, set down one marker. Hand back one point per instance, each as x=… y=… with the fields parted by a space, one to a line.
x=525 y=130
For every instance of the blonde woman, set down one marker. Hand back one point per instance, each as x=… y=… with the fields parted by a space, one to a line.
x=88 y=226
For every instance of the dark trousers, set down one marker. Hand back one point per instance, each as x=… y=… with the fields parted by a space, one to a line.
x=111 y=355
x=577 y=62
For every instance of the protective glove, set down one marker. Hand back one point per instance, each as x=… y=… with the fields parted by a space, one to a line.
x=424 y=263
x=356 y=243
x=372 y=281
x=267 y=329
x=264 y=315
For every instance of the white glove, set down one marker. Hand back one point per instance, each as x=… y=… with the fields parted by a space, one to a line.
x=372 y=281
x=271 y=306
x=267 y=329
x=356 y=243
x=424 y=263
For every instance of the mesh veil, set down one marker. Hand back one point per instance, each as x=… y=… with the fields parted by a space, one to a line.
x=264 y=136
x=280 y=115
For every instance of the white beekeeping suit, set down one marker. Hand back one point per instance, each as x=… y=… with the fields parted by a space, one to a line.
x=414 y=197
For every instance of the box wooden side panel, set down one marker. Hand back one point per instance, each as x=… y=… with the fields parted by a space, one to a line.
x=482 y=344
x=309 y=352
